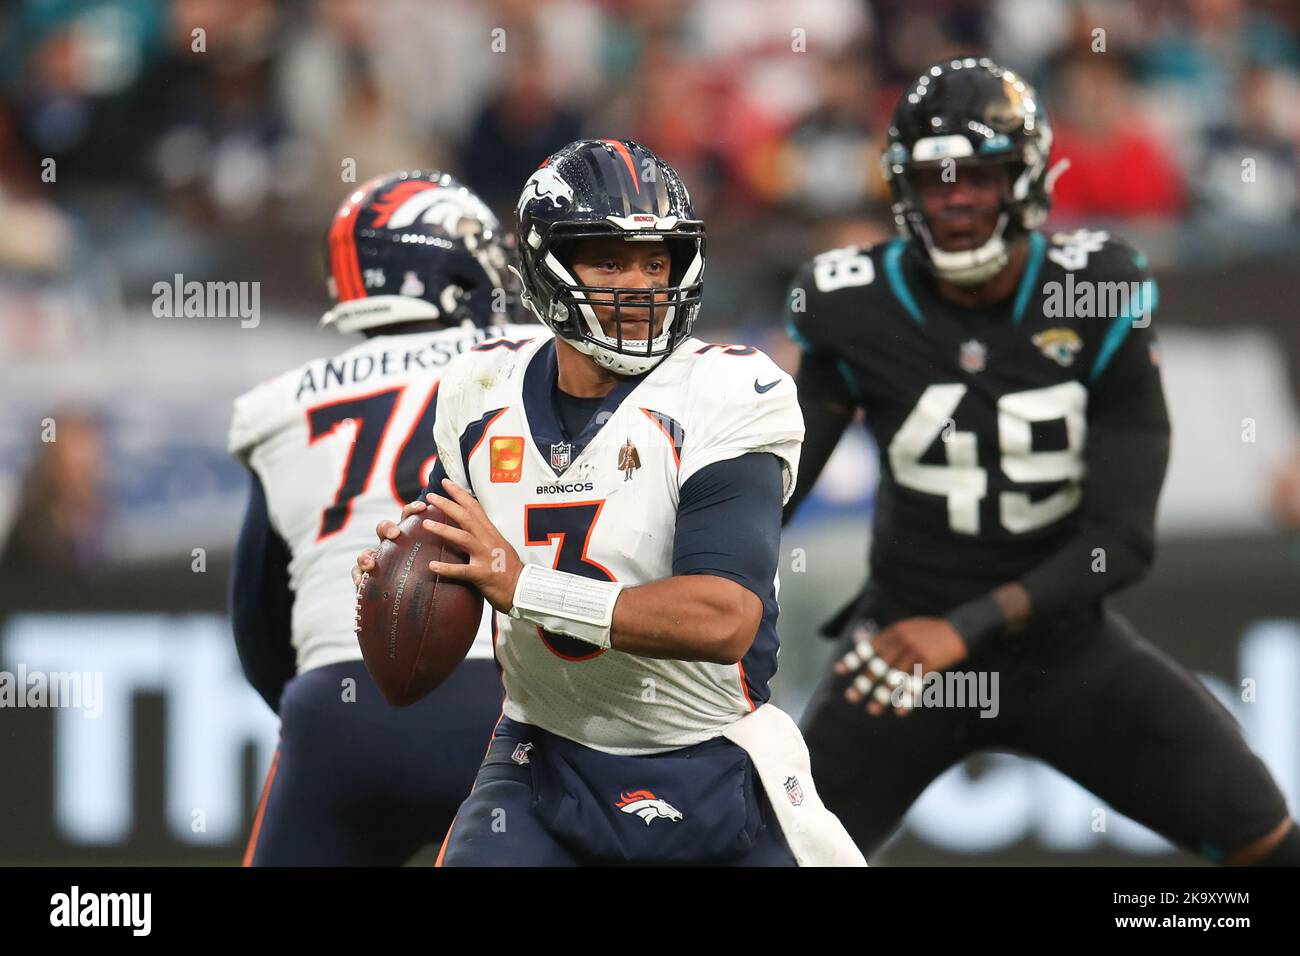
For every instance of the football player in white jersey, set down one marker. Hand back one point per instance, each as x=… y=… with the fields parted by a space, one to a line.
x=417 y=265
x=618 y=490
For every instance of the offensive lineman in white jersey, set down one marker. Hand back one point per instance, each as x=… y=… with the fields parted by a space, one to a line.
x=624 y=524
x=416 y=264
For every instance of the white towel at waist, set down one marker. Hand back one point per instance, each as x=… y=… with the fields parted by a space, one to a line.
x=815 y=835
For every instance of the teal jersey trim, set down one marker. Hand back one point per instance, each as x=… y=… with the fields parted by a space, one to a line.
x=894 y=273
x=846 y=372
x=1037 y=251
x=1119 y=329
x=797 y=337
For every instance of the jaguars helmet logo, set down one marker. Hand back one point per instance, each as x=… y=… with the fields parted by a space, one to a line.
x=1007 y=114
x=1059 y=345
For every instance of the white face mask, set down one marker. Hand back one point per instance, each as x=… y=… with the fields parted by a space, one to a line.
x=973 y=266
x=970 y=266
x=617 y=362
x=604 y=352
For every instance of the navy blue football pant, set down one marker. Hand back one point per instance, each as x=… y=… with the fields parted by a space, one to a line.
x=498 y=826
x=362 y=783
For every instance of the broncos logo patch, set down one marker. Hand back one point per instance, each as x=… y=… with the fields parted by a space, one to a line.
x=647 y=806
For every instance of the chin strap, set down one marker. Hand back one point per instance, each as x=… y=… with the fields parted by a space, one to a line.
x=617 y=362
x=971 y=266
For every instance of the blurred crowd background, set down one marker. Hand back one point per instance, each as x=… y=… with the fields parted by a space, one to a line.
x=228 y=159
x=143 y=139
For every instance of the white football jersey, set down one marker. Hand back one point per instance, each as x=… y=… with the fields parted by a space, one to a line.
x=605 y=505
x=340 y=444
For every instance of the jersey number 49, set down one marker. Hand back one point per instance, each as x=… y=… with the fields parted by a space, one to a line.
x=964 y=483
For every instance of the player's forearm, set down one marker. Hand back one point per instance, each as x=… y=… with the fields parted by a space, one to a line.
x=1089 y=567
x=1115 y=543
x=694 y=617
x=725 y=548
x=1094 y=564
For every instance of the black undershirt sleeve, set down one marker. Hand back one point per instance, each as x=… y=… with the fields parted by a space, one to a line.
x=436 y=474
x=1126 y=456
x=261 y=602
x=729 y=522
x=827 y=407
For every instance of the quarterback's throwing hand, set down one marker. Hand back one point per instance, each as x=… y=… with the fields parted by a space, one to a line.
x=494 y=565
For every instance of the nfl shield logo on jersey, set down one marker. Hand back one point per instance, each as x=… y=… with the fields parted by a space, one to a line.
x=561 y=452
x=793 y=791
x=973 y=354
x=520 y=756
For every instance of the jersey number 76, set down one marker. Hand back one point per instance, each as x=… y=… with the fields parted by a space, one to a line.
x=371 y=415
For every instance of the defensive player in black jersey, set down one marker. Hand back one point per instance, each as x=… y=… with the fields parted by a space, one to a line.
x=1011 y=381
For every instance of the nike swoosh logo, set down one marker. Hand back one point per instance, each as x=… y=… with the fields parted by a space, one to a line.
x=765 y=388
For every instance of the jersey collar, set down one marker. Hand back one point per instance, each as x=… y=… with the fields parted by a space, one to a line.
x=1028 y=279
x=542 y=412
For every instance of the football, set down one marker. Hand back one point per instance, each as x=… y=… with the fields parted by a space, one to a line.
x=414 y=626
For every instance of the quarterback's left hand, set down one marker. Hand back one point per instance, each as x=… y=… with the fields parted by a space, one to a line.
x=494 y=566
x=888 y=660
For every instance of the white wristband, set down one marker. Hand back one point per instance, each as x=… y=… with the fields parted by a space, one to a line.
x=565 y=603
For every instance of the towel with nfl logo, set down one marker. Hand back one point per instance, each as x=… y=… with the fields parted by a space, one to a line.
x=815 y=835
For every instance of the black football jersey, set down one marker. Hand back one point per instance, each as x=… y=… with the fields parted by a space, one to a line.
x=983 y=416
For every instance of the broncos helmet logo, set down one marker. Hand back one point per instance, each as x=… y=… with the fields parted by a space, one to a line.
x=545 y=183
x=648 y=807
x=418 y=201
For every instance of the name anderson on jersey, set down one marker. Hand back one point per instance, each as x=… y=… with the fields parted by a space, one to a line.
x=340 y=372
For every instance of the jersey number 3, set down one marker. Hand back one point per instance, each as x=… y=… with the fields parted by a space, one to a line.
x=964 y=483
x=571 y=525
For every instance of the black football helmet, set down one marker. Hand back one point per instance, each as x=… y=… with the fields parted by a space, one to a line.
x=970 y=111
x=598 y=188
x=413 y=246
